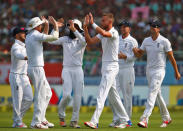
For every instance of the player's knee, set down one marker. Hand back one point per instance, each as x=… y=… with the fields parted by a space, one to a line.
x=66 y=97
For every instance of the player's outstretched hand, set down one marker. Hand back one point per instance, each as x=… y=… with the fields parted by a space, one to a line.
x=86 y=21
x=52 y=20
x=121 y=55
x=60 y=22
x=44 y=19
x=91 y=18
x=177 y=76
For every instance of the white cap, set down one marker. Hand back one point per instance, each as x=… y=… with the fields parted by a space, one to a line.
x=76 y=21
x=34 y=22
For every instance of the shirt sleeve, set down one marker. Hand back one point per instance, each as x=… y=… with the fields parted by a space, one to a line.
x=131 y=57
x=99 y=36
x=80 y=37
x=47 y=38
x=18 y=54
x=114 y=34
x=143 y=46
x=168 y=46
x=60 y=41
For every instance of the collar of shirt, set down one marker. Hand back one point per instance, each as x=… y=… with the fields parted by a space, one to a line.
x=159 y=36
x=19 y=42
x=125 y=38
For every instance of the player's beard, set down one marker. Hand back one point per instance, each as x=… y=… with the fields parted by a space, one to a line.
x=72 y=35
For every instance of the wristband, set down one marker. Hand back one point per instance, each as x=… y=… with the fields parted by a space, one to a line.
x=94 y=26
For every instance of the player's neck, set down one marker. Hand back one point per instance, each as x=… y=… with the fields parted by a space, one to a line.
x=125 y=35
x=154 y=36
x=109 y=27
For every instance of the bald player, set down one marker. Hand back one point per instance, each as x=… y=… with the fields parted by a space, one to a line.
x=157 y=48
x=109 y=38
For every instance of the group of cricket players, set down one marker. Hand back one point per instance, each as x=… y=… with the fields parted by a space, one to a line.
x=119 y=55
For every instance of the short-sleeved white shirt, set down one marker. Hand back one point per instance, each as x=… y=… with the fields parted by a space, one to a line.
x=110 y=46
x=156 y=51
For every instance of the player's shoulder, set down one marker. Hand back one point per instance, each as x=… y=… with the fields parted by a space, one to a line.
x=147 y=39
x=164 y=39
x=131 y=38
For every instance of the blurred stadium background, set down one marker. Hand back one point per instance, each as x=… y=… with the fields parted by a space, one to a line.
x=139 y=12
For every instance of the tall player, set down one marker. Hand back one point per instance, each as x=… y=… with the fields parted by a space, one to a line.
x=34 y=47
x=157 y=48
x=126 y=76
x=20 y=86
x=72 y=74
x=109 y=38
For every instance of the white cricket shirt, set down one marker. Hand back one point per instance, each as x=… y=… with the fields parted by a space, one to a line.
x=156 y=51
x=110 y=46
x=18 y=53
x=73 y=49
x=34 y=46
x=126 y=46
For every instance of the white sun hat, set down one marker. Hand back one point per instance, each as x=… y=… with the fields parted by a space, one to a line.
x=34 y=22
x=76 y=21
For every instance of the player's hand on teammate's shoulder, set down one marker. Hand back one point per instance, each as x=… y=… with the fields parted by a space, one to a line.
x=177 y=76
x=60 y=22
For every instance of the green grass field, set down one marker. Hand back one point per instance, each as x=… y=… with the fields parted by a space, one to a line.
x=154 y=123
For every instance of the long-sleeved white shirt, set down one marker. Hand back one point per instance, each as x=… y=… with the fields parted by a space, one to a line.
x=73 y=49
x=34 y=46
x=18 y=53
x=126 y=46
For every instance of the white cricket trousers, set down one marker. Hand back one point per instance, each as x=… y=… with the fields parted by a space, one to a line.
x=155 y=79
x=21 y=95
x=125 y=83
x=108 y=88
x=73 y=80
x=42 y=93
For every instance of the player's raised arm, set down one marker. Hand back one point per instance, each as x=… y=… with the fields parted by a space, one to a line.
x=174 y=64
x=88 y=39
x=76 y=30
x=46 y=25
x=106 y=19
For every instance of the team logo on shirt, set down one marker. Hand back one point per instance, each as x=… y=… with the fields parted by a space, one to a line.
x=126 y=45
x=158 y=45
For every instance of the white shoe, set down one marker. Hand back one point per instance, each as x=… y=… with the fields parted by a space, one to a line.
x=22 y=125
x=91 y=125
x=39 y=126
x=121 y=125
x=48 y=124
x=165 y=123
x=142 y=124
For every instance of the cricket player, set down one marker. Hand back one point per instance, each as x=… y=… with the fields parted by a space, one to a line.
x=157 y=47
x=126 y=76
x=20 y=86
x=109 y=38
x=72 y=73
x=34 y=47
